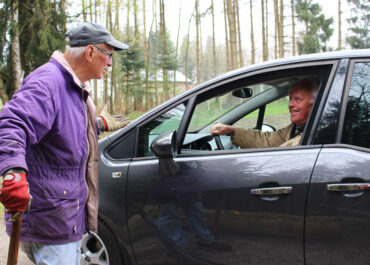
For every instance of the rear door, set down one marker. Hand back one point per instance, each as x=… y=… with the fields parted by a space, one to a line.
x=338 y=215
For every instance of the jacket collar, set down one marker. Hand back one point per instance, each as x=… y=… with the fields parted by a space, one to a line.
x=59 y=57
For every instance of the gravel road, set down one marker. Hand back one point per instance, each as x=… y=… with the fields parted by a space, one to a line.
x=4 y=245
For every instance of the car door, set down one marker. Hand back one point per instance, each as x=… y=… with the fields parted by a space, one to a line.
x=337 y=223
x=252 y=201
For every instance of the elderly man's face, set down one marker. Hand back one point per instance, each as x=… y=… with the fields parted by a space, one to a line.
x=300 y=104
x=101 y=60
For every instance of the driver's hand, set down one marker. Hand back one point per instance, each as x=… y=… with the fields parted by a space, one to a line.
x=222 y=129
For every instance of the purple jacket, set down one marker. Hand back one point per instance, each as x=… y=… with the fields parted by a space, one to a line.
x=43 y=129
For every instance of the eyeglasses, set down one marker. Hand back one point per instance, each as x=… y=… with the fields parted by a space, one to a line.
x=105 y=51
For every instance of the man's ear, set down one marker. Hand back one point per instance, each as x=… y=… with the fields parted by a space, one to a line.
x=89 y=53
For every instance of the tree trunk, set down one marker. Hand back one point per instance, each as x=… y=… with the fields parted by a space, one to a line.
x=155 y=15
x=117 y=91
x=164 y=52
x=63 y=11
x=267 y=30
x=3 y=96
x=339 y=26
x=110 y=28
x=281 y=30
x=176 y=52
x=253 y=51
x=227 y=39
x=127 y=94
x=15 y=49
x=84 y=15
x=187 y=51
x=263 y=31
x=213 y=41
x=128 y=35
x=293 y=28
x=232 y=31
x=197 y=18
x=137 y=97
x=146 y=57
x=202 y=68
x=137 y=35
x=276 y=12
x=239 y=34
x=95 y=81
x=90 y=10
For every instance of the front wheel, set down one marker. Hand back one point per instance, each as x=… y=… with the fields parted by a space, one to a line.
x=101 y=248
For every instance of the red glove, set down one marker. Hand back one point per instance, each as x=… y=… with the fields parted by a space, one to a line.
x=15 y=193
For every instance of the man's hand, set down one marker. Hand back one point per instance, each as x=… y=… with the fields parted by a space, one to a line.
x=112 y=122
x=14 y=193
x=222 y=129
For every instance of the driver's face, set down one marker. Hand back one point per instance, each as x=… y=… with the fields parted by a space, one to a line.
x=300 y=104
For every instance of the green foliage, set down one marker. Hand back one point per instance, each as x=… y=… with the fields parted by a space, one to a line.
x=359 y=24
x=40 y=28
x=42 y=23
x=317 y=28
x=191 y=58
x=157 y=59
x=132 y=60
x=132 y=63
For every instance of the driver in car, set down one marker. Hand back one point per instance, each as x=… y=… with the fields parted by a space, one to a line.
x=301 y=98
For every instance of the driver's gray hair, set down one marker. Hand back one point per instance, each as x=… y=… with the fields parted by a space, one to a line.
x=307 y=85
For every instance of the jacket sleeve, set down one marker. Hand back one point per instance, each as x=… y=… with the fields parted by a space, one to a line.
x=24 y=121
x=248 y=138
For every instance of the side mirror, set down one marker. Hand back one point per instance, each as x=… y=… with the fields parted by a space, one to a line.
x=244 y=92
x=164 y=147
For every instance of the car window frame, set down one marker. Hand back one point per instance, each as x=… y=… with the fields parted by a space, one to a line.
x=276 y=69
x=227 y=84
x=344 y=105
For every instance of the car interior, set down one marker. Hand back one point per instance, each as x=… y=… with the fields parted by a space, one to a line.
x=252 y=108
x=256 y=101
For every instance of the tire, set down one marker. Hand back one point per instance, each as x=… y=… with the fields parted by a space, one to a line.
x=101 y=248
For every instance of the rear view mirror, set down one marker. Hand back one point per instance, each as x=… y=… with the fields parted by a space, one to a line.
x=244 y=92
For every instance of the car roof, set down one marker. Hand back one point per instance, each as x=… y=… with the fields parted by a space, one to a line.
x=349 y=54
x=325 y=56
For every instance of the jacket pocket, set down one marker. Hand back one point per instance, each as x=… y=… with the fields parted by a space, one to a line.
x=56 y=214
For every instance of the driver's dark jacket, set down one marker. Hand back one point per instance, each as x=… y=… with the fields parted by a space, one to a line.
x=249 y=138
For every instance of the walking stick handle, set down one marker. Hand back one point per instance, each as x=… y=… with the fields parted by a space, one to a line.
x=16 y=219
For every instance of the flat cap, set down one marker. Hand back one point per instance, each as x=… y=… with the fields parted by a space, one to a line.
x=89 y=33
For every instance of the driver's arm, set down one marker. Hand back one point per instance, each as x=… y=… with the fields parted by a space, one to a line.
x=249 y=138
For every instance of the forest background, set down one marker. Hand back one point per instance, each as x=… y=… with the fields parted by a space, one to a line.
x=174 y=44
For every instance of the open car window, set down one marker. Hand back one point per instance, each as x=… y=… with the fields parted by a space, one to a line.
x=264 y=107
x=209 y=111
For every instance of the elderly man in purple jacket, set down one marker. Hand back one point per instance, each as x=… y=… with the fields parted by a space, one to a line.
x=49 y=150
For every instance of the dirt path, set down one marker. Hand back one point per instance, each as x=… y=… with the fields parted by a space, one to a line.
x=4 y=244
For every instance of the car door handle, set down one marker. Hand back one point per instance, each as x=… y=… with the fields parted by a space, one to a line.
x=272 y=191
x=348 y=186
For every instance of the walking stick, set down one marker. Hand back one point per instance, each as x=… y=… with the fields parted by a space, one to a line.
x=16 y=219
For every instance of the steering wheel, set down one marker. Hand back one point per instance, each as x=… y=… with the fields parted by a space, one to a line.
x=219 y=144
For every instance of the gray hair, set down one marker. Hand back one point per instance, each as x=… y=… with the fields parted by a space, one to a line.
x=307 y=84
x=75 y=51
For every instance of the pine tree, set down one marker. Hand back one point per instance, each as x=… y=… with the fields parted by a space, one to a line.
x=359 y=24
x=317 y=28
x=41 y=28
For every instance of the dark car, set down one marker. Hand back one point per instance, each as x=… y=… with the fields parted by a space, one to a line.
x=305 y=204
